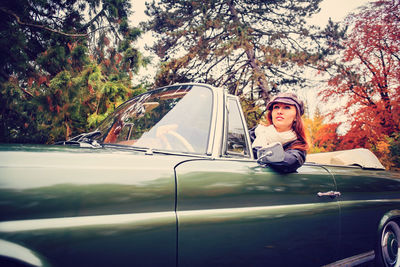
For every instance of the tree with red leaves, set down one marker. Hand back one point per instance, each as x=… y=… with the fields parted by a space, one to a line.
x=367 y=77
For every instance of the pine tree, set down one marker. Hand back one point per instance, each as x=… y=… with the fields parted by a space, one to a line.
x=63 y=66
x=238 y=44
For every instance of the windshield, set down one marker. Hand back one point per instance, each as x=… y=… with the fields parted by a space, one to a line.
x=175 y=118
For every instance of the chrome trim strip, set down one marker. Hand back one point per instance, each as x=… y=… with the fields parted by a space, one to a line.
x=251 y=213
x=354 y=260
x=244 y=123
x=131 y=220
x=159 y=218
x=219 y=123
x=213 y=123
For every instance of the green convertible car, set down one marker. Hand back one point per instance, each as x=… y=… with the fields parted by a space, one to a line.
x=169 y=179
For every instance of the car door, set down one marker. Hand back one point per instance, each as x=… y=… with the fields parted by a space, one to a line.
x=232 y=211
x=236 y=212
x=105 y=208
x=367 y=198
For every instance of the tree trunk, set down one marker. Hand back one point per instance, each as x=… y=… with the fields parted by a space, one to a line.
x=257 y=72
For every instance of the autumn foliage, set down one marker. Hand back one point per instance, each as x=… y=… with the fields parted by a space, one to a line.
x=367 y=79
x=62 y=74
x=322 y=136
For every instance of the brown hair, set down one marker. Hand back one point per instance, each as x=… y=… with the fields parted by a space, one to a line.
x=298 y=128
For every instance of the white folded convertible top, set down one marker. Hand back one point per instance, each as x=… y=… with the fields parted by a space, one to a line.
x=360 y=156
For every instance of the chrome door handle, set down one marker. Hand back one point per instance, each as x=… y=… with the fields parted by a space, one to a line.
x=332 y=194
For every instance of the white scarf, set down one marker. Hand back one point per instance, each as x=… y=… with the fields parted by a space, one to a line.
x=266 y=135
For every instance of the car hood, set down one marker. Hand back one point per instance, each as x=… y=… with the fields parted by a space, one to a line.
x=70 y=156
x=45 y=181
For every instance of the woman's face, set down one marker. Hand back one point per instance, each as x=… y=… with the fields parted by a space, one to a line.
x=283 y=116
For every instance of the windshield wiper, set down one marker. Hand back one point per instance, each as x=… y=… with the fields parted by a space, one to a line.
x=83 y=140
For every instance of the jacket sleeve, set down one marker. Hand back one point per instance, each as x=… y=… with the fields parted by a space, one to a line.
x=293 y=160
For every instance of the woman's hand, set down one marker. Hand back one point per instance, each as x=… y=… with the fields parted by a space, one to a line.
x=272 y=153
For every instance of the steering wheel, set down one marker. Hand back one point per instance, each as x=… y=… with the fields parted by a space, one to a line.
x=170 y=129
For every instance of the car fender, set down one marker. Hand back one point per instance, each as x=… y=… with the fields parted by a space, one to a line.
x=388 y=216
x=20 y=254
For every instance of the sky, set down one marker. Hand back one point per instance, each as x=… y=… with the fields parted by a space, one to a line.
x=335 y=9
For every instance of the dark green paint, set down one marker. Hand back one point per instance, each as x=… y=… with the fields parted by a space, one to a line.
x=255 y=215
x=79 y=207
x=367 y=195
x=103 y=207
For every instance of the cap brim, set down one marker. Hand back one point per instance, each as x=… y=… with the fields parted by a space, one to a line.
x=281 y=100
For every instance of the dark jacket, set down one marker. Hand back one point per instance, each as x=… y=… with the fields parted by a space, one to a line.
x=294 y=158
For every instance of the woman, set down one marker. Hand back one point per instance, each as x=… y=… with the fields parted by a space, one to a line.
x=287 y=128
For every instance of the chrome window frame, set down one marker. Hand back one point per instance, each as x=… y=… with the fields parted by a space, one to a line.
x=235 y=99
